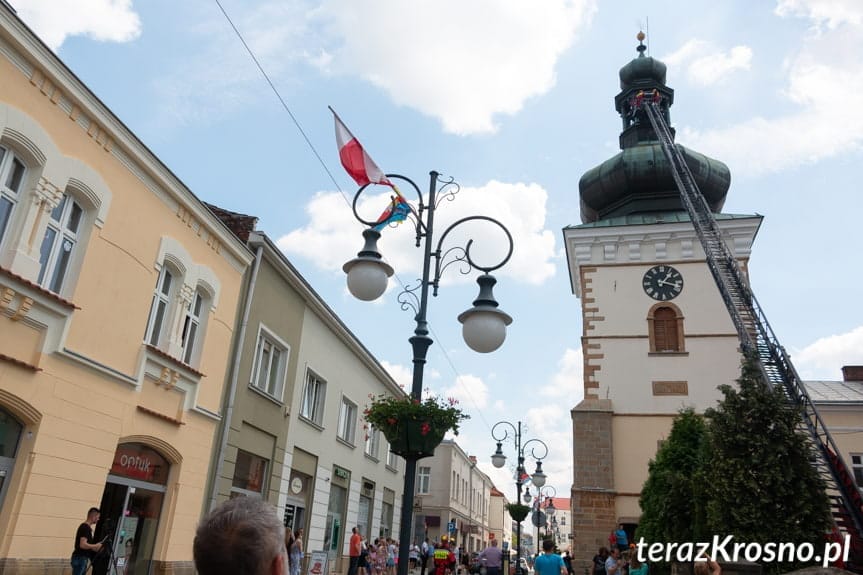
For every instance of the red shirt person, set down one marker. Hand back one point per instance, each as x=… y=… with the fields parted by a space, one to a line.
x=355 y=549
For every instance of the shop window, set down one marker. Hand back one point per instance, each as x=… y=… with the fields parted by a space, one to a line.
x=250 y=474
x=314 y=394
x=373 y=441
x=386 y=527
x=271 y=358
x=347 y=421
x=665 y=329
x=10 y=435
x=12 y=171
x=59 y=243
x=423 y=479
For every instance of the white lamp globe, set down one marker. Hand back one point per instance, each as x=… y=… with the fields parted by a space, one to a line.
x=538 y=478
x=367 y=279
x=498 y=459
x=484 y=330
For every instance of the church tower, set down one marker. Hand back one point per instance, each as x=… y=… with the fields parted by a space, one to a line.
x=656 y=335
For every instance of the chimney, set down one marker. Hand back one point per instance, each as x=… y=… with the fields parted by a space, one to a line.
x=473 y=457
x=852 y=372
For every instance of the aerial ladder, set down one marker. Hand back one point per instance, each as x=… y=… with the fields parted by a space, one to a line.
x=757 y=340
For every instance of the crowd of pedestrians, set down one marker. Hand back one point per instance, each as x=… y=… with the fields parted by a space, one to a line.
x=244 y=537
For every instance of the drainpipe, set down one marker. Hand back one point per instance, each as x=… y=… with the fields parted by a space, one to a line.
x=235 y=376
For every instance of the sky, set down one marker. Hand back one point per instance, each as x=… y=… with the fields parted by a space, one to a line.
x=514 y=100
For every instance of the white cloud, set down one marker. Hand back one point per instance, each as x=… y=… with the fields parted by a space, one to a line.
x=831 y=13
x=568 y=381
x=705 y=64
x=553 y=425
x=824 y=78
x=403 y=375
x=463 y=63
x=824 y=358
x=332 y=235
x=460 y=62
x=470 y=391
x=103 y=20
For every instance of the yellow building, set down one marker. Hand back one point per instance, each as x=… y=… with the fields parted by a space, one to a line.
x=118 y=297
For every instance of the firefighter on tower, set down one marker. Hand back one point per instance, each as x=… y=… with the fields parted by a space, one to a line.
x=444 y=559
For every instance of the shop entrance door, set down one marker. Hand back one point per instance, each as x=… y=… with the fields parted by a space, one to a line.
x=131 y=505
x=130 y=518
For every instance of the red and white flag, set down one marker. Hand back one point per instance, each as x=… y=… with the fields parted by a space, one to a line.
x=355 y=160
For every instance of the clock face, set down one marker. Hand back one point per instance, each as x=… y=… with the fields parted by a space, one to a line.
x=662 y=282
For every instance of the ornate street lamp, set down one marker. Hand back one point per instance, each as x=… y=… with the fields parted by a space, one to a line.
x=498 y=459
x=483 y=325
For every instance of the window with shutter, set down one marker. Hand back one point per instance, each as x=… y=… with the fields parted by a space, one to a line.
x=665 y=330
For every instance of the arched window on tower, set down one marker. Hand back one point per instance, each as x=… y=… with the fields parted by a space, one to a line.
x=665 y=329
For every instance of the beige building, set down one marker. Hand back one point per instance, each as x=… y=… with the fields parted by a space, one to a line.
x=840 y=404
x=499 y=521
x=454 y=498
x=299 y=383
x=118 y=297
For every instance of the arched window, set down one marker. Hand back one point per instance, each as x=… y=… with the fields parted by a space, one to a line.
x=59 y=242
x=12 y=172
x=157 y=326
x=192 y=325
x=10 y=434
x=665 y=329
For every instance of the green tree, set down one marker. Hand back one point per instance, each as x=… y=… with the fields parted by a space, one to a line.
x=671 y=496
x=758 y=481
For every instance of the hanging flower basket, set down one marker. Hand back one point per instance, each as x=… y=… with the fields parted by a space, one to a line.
x=518 y=511
x=414 y=439
x=413 y=428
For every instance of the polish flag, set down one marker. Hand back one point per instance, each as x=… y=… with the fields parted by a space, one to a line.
x=354 y=158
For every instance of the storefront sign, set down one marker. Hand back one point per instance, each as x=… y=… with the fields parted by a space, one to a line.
x=137 y=461
x=341 y=473
x=318 y=563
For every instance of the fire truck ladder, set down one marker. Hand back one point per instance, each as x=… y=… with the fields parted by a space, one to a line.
x=758 y=340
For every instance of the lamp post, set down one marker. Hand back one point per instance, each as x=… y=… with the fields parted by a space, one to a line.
x=539 y=517
x=483 y=325
x=498 y=459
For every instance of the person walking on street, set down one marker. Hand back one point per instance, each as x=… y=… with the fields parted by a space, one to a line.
x=425 y=551
x=613 y=563
x=354 y=551
x=491 y=558
x=622 y=539
x=85 y=548
x=549 y=563
x=567 y=560
x=295 y=553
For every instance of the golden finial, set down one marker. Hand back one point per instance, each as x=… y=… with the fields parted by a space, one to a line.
x=640 y=37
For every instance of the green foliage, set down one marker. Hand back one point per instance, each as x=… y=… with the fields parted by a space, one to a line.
x=759 y=481
x=670 y=499
x=518 y=511
x=744 y=469
x=386 y=411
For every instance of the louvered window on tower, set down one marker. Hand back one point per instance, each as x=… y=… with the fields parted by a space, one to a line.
x=665 y=329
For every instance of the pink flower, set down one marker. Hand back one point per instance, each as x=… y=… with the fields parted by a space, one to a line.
x=425 y=428
x=392 y=420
